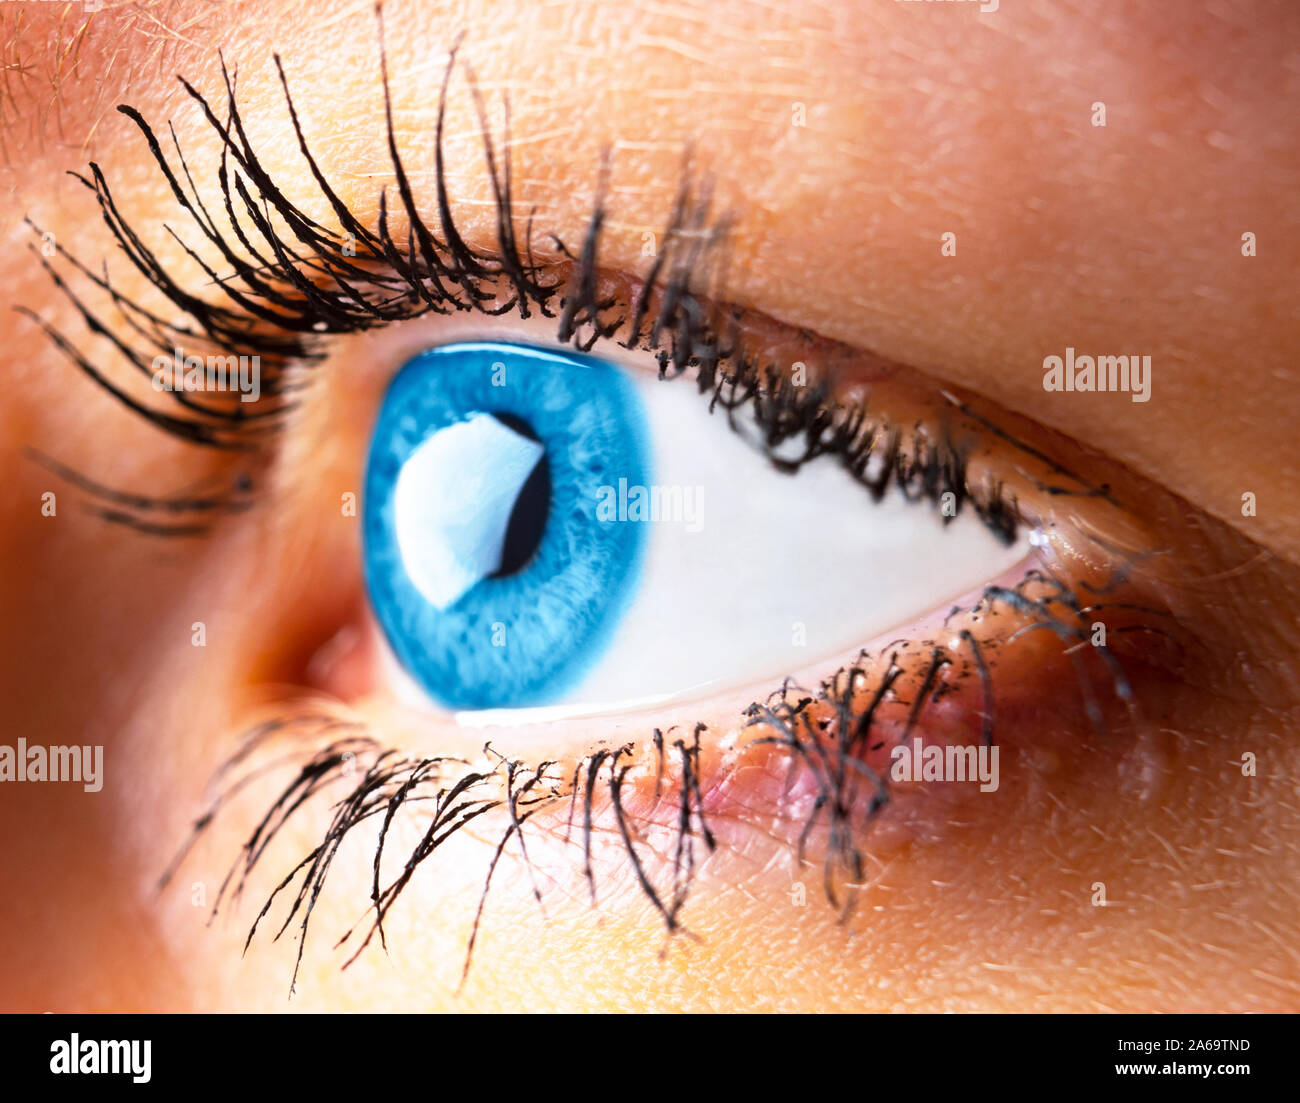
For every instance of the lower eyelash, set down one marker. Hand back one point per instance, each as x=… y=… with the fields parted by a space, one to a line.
x=152 y=515
x=829 y=733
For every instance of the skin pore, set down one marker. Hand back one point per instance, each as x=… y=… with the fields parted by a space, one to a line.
x=917 y=120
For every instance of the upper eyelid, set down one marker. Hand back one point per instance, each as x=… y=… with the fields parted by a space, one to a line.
x=587 y=305
x=312 y=295
x=677 y=310
x=690 y=224
x=304 y=354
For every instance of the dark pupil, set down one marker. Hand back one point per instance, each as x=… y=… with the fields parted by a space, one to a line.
x=528 y=518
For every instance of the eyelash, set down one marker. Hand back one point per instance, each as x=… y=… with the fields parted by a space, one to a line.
x=461 y=792
x=285 y=313
x=384 y=283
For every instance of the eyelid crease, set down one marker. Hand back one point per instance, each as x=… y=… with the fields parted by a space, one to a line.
x=288 y=297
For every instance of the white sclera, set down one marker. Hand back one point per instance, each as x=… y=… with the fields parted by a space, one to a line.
x=782 y=572
x=452 y=504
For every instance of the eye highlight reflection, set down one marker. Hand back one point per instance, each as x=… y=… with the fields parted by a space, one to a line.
x=496 y=589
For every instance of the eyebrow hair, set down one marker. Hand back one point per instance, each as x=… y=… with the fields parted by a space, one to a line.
x=51 y=50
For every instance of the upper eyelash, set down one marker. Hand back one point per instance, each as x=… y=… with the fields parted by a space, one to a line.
x=285 y=309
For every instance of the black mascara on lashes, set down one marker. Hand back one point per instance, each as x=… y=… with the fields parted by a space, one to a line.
x=286 y=305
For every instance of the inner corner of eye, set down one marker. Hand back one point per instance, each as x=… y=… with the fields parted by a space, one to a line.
x=544 y=529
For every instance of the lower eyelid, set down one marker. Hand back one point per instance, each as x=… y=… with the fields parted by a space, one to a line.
x=783 y=766
x=1027 y=680
x=737 y=792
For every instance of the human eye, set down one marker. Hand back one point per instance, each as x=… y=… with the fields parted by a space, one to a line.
x=549 y=529
x=592 y=596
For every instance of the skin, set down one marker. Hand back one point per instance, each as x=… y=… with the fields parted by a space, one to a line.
x=920 y=120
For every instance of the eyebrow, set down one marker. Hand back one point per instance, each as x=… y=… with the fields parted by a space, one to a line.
x=54 y=50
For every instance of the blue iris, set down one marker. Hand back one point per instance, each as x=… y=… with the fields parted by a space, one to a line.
x=481 y=611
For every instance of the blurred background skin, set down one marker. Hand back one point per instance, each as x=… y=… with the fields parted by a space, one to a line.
x=921 y=119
